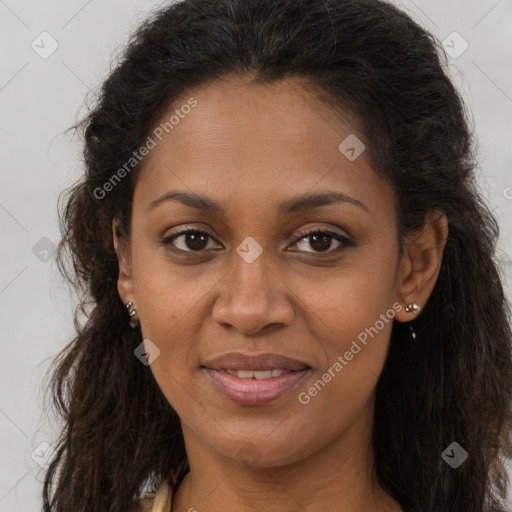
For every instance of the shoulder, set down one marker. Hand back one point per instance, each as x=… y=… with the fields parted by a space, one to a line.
x=159 y=501
x=146 y=503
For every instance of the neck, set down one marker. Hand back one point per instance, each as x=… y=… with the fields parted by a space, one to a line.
x=338 y=477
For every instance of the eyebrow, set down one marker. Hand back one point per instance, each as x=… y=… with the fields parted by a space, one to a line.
x=293 y=205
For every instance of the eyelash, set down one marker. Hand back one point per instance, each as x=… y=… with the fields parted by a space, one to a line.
x=344 y=241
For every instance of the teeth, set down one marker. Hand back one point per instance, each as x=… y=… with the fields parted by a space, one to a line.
x=265 y=374
x=257 y=374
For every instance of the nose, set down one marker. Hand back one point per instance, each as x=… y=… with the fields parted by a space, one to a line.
x=253 y=298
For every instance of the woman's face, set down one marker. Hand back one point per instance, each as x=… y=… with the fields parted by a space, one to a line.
x=251 y=166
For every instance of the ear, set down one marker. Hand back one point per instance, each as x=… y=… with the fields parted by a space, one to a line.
x=420 y=264
x=125 y=278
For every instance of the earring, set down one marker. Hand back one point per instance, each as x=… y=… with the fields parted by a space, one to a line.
x=413 y=308
x=133 y=313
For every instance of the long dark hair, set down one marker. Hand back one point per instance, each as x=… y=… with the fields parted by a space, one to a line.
x=365 y=57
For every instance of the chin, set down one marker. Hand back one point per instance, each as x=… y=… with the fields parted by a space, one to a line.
x=261 y=452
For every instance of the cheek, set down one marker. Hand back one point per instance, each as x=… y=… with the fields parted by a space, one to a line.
x=343 y=387
x=348 y=300
x=166 y=300
x=167 y=293
x=354 y=315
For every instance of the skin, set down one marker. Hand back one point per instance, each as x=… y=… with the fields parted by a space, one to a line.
x=250 y=147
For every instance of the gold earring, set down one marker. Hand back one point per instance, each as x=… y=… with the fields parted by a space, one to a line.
x=133 y=314
x=413 y=308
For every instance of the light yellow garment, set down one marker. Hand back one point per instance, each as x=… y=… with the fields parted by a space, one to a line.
x=159 y=502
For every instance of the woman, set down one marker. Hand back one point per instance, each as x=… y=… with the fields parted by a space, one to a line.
x=295 y=302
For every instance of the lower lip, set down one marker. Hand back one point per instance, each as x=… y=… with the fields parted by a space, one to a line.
x=255 y=391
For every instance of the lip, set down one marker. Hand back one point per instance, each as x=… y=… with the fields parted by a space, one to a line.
x=265 y=361
x=255 y=392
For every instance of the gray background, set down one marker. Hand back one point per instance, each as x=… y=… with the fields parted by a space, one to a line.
x=41 y=97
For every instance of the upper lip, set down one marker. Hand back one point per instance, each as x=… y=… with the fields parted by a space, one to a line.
x=266 y=361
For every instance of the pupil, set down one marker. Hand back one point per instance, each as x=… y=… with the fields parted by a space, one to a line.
x=193 y=239
x=323 y=246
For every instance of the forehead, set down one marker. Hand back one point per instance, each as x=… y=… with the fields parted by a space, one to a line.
x=263 y=142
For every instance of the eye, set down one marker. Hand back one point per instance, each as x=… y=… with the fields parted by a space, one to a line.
x=320 y=240
x=194 y=239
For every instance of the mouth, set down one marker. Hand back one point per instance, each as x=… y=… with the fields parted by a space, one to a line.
x=258 y=374
x=255 y=380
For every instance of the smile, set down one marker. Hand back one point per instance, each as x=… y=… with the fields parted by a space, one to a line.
x=255 y=388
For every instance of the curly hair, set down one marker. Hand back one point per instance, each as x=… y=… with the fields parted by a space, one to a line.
x=120 y=435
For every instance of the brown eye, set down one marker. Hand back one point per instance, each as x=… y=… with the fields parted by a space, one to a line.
x=192 y=240
x=321 y=240
x=196 y=241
